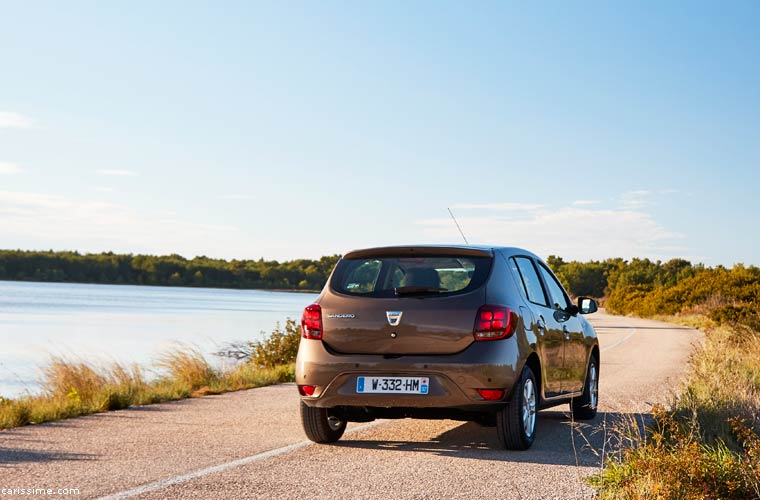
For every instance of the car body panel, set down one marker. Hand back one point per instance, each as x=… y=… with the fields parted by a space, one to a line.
x=430 y=325
x=570 y=333
x=551 y=347
x=457 y=376
x=576 y=355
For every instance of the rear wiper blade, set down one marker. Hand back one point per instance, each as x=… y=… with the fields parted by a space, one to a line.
x=414 y=290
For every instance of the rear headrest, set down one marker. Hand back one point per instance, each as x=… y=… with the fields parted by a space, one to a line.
x=422 y=276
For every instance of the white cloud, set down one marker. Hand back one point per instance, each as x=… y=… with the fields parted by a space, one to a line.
x=236 y=197
x=586 y=203
x=116 y=172
x=643 y=197
x=9 y=168
x=639 y=192
x=571 y=231
x=102 y=189
x=9 y=119
x=41 y=221
x=637 y=199
x=498 y=207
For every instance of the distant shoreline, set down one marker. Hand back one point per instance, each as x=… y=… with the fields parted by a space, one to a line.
x=277 y=290
x=107 y=268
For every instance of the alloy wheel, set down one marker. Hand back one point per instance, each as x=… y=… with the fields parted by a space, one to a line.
x=593 y=386
x=529 y=407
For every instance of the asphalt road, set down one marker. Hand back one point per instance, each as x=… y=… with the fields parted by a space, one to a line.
x=250 y=444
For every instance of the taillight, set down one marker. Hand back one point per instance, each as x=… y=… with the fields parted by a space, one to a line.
x=306 y=390
x=311 y=322
x=491 y=394
x=494 y=322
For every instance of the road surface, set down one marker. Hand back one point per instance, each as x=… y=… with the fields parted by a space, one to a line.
x=249 y=444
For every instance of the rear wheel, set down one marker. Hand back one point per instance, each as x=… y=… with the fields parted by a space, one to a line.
x=584 y=407
x=516 y=422
x=321 y=425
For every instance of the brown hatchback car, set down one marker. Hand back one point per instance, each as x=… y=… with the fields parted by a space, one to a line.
x=468 y=333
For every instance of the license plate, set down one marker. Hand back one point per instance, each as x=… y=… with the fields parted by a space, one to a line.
x=392 y=385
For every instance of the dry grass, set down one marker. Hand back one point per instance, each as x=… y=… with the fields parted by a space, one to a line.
x=724 y=382
x=74 y=388
x=707 y=445
x=671 y=460
x=188 y=367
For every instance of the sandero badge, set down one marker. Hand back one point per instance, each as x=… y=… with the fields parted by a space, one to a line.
x=394 y=317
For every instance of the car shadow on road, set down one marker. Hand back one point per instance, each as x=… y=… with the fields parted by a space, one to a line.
x=11 y=457
x=559 y=440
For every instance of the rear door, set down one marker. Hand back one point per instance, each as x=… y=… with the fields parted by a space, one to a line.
x=402 y=305
x=549 y=337
x=574 y=369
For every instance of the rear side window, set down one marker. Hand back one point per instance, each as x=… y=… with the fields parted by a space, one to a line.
x=559 y=299
x=531 y=283
x=389 y=276
x=363 y=277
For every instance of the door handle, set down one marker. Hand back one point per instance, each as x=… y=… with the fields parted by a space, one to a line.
x=541 y=325
x=566 y=331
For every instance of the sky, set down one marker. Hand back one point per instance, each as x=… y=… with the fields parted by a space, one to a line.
x=297 y=129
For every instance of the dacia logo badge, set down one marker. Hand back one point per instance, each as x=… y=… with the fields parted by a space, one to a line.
x=394 y=317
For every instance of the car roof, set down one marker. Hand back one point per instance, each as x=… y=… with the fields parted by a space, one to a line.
x=401 y=250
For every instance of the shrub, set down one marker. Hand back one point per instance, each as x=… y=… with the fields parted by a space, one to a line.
x=745 y=314
x=279 y=348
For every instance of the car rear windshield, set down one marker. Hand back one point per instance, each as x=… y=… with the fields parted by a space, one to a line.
x=410 y=276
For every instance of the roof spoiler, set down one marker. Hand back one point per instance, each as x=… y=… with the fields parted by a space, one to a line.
x=415 y=251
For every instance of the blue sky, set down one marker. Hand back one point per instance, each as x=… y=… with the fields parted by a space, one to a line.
x=250 y=129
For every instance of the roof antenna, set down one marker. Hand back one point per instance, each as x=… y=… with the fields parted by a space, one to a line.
x=460 y=229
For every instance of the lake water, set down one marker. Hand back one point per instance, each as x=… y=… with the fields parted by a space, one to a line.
x=129 y=324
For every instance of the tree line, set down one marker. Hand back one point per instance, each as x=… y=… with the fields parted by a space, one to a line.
x=599 y=278
x=637 y=286
x=646 y=288
x=165 y=270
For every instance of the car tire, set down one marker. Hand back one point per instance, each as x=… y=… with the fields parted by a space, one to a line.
x=584 y=407
x=516 y=422
x=321 y=425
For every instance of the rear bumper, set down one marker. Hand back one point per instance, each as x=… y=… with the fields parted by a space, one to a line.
x=454 y=379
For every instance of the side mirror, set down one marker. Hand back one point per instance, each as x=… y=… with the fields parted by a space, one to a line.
x=587 y=305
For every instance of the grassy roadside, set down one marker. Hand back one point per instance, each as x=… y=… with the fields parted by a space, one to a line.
x=72 y=389
x=75 y=388
x=706 y=444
